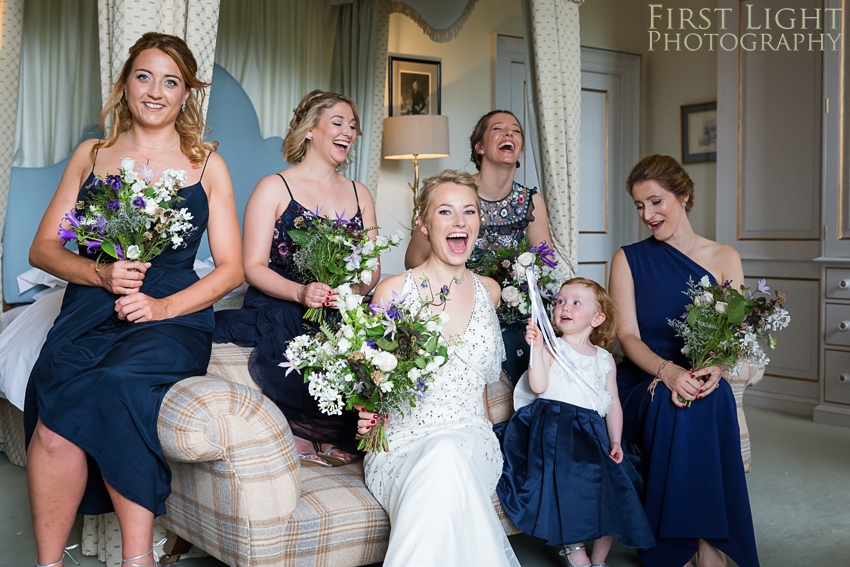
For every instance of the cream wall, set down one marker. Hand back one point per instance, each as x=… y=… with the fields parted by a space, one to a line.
x=467 y=93
x=669 y=79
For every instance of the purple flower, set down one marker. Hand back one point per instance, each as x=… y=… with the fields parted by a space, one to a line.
x=73 y=219
x=762 y=287
x=113 y=205
x=119 y=252
x=114 y=182
x=146 y=173
x=139 y=203
x=100 y=226
x=66 y=235
x=289 y=367
x=371 y=343
x=91 y=245
x=548 y=262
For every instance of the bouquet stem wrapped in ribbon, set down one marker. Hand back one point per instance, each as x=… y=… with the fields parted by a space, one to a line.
x=337 y=251
x=724 y=326
x=128 y=218
x=382 y=357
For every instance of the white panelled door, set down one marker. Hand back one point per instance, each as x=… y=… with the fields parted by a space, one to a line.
x=609 y=146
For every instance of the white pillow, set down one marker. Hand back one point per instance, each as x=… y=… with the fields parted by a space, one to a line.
x=21 y=342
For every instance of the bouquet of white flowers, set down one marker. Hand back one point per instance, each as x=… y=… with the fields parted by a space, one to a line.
x=127 y=218
x=507 y=267
x=382 y=357
x=337 y=251
x=725 y=326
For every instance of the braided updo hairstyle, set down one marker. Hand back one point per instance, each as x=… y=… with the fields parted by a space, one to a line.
x=306 y=116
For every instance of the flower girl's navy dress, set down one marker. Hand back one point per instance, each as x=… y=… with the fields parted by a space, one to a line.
x=99 y=381
x=695 y=484
x=558 y=481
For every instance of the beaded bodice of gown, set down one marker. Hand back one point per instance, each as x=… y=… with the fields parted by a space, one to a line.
x=455 y=398
x=504 y=222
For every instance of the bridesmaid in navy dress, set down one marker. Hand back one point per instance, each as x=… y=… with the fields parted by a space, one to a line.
x=321 y=137
x=696 y=494
x=509 y=213
x=127 y=331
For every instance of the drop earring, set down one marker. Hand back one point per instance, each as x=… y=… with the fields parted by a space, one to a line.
x=183 y=106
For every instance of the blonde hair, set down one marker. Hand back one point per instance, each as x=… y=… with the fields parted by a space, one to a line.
x=190 y=120
x=429 y=185
x=603 y=335
x=306 y=116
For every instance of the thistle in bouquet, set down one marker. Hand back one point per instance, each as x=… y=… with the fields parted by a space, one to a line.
x=337 y=251
x=507 y=267
x=725 y=327
x=382 y=357
x=126 y=217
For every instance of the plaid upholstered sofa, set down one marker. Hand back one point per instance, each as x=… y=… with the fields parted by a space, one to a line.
x=238 y=491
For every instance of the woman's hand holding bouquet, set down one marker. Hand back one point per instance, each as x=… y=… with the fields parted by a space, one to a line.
x=381 y=358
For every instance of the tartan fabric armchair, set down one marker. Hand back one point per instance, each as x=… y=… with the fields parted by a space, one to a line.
x=238 y=491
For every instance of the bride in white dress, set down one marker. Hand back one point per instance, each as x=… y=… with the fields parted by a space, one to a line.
x=444 y=461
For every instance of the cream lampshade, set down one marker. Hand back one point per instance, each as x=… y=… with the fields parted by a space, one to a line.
x=423 y=136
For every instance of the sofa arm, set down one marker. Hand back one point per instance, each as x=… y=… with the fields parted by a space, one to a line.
x=235 y=474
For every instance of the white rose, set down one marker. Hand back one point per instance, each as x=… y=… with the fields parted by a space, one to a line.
x=386 y=362
x=704 y=281
x=366 y=276
x=525 y=259
x=510 y=295
x=698 y=300
x=133 y=252
x=128 y=164
x=707 y=298
x=720 y=307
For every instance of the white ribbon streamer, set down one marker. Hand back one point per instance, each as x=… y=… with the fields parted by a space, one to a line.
x=539 y=316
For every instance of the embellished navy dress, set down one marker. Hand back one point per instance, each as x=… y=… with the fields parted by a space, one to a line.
x=99 y=381
x=691 y=457
x=267 y=324
x=503 y=225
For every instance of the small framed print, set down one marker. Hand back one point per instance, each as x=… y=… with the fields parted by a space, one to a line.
x=699 y=132
x=414 y=86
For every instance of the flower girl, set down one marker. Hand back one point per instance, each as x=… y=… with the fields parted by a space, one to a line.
x=564 y=479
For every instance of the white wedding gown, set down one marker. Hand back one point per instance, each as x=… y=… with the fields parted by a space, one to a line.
x=444 y=461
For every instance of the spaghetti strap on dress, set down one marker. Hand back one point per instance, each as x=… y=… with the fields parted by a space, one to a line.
x=267 y=324
x=691 y=457
x=99 y=381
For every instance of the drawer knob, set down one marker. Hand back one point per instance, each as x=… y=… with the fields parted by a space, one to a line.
x=844 y=326
x=844 y=284
x=844 y=378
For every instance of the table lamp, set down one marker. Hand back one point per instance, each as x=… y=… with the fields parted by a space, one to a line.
x=422 y=136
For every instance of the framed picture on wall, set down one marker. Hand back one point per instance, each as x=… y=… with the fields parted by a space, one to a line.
x=699 y=132
x=414 y=86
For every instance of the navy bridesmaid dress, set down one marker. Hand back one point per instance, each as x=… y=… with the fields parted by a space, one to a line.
x=691 y=457
x=99 y=381
x=267 y=324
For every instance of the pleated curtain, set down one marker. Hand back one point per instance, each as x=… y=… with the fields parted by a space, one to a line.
x=11 y=35
x=553 y=40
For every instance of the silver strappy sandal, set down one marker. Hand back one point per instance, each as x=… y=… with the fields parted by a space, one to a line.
x=569 y=549
x=66 y=551
x=151 y=564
